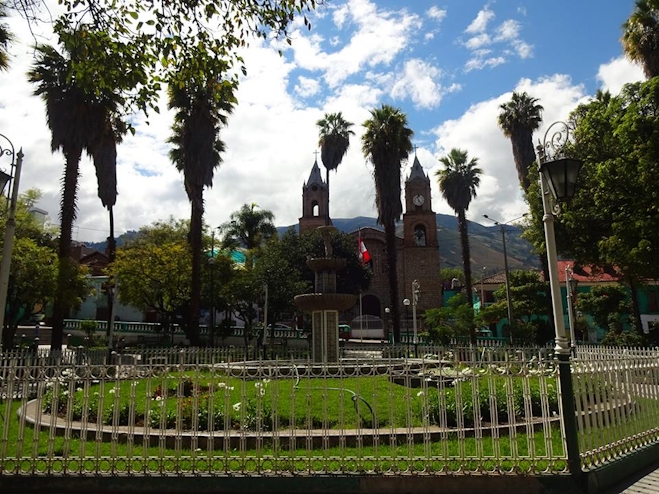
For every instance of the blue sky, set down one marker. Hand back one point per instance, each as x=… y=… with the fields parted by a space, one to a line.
x=447 y=65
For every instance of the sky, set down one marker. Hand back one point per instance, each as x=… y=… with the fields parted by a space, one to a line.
x=447 y=65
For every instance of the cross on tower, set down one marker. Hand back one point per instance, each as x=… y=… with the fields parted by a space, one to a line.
x=415 y=148
x=316 y=153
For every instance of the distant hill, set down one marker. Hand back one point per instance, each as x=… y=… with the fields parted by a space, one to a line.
x=485 y=243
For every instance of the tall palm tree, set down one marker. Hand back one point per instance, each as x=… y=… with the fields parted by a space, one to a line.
x=5 y=38
x=387 y=142
x=202 y=108
x=104 y=155
x=640 y=37
x=458 y=181
x=334 y=141
x=518 y=119
x=75 y=117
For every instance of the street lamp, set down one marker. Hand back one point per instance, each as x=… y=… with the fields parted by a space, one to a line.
x=406 y=303
x=559 y=173
x=509 y=300
x=416 y=289
x=387 y=317
x=12 y=194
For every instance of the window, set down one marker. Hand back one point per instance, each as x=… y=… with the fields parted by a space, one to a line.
x=420 y=236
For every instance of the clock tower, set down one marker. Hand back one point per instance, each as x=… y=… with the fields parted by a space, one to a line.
x=420 y=246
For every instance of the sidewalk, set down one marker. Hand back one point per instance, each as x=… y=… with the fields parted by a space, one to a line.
x=645 y=481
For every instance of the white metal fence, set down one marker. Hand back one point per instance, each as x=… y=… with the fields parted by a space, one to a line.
x=211 y=411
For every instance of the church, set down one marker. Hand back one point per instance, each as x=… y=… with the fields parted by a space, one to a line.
x=418 y=249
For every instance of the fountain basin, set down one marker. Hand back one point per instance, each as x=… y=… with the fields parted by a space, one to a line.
x=325 y=301
x=318 y=264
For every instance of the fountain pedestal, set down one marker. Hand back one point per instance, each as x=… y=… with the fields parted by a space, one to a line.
x=325 y=304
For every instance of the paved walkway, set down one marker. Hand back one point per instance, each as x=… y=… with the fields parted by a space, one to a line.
x=644 y=482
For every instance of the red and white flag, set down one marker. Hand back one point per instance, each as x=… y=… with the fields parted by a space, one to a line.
x=363 y=253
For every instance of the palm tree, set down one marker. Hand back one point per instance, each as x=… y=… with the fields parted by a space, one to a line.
x=458 y=182
x=334 y=141
x=73 y=116
x=5 y=38
x=104 y=155
x=387 y=142
x=202 y=108
x=640 y=37
x=519 y=118
x=250 y=228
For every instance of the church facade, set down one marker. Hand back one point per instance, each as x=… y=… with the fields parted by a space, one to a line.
x=417 y=249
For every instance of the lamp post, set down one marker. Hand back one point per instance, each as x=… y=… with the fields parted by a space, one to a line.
x=571 y=287
x=559 y=173
x=416 y=288
x=387 y=316
x=406 y=303
x=509 y=300
x=12 y=194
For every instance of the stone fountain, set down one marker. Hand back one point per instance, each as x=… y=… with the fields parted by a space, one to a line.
x=325 y=304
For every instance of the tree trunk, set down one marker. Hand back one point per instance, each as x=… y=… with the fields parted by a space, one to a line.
x=61 y=305
x=112 y=250
x=466 y=265
x=327 y=215
x=196 y=228
x=390 y=239
x=636 y=309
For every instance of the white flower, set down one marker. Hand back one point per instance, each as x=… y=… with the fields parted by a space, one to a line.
x=236 y=407
x=262 y=392
x=222 y=385
x=78 y=390
x=266 y=381
x=420 y=393
x=112 y=391
x=158 y=398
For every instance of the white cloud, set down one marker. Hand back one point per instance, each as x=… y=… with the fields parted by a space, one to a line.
x=307 y=87
x=476 y=131
x=436 y=13
x=618 y=72
x=479 y=24
x=418 y=82
x=508 y=30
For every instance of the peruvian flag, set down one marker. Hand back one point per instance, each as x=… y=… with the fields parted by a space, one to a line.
x=363 y=253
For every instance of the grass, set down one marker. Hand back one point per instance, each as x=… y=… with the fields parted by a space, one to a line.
x=192 y=400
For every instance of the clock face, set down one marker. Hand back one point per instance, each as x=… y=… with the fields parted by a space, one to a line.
x=418 y=200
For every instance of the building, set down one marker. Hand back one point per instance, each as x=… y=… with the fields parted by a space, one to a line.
x=586 y=277
x=417 y=249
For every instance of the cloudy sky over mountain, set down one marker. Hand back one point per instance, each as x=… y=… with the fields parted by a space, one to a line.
x=448 y=65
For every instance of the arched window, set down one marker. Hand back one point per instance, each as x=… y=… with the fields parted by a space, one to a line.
x=420 y=235
x=315 y=208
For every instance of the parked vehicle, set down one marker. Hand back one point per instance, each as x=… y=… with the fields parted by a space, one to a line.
x=345 y=332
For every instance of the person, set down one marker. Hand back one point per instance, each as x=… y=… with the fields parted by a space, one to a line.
x=36 y=329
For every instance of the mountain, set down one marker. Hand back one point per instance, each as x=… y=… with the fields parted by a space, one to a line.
x=485 y=243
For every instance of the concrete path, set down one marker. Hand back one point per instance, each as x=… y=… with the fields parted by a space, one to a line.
x=644 y=482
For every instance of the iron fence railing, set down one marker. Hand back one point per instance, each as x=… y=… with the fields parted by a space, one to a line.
x=211 y=411
x=220 y=411
x=617 y=401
